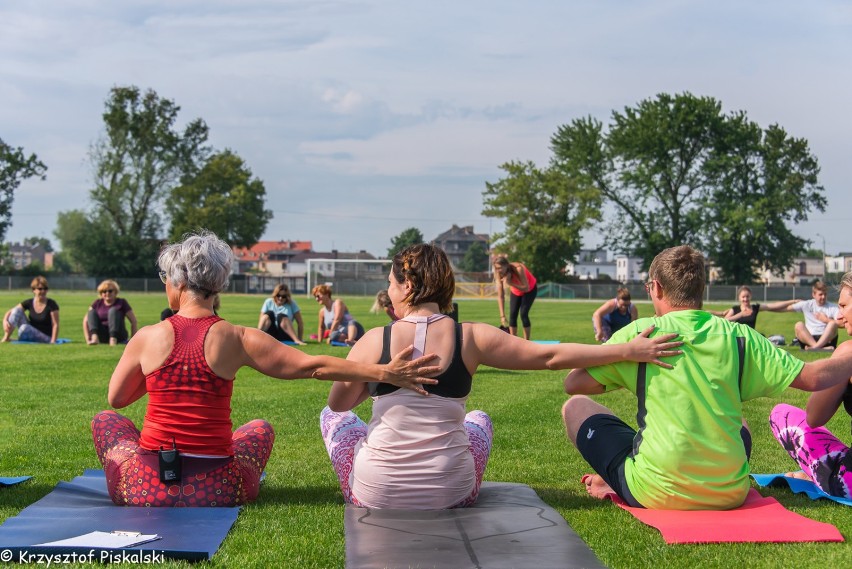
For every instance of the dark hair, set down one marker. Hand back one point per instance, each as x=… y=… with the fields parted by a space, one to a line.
x=430 y=273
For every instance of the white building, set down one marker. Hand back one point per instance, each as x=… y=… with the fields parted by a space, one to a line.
x=629 y=269
x=591 y=264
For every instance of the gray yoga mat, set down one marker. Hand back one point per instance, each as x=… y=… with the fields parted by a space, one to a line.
x=508 y=527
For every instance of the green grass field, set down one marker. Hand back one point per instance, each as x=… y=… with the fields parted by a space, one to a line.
x=50 y=393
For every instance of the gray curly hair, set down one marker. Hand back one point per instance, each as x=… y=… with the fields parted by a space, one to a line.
x=201 y=261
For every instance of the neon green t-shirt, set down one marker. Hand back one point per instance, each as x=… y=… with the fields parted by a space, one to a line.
x=691 y=455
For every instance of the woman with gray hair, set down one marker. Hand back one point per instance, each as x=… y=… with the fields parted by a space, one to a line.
x=186 y=454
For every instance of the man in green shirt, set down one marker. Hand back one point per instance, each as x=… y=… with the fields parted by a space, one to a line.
x=691 y=450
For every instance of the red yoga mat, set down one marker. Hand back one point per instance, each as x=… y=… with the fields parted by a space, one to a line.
x=759 y=519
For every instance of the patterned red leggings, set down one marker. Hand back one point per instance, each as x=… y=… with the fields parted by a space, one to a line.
x=132 y=473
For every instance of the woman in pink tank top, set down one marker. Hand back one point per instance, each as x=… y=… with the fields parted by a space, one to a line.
x=427 y=452
x=522 y=293
x=187 y=365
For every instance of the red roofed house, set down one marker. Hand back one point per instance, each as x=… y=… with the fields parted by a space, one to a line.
x=268 y=257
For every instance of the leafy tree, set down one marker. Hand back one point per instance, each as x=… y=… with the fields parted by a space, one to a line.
x=411 y=236
x=475 y=258
x=139 y=159
x=650 y=166
x=544 y=212
x=677 y=170
x=15 y=167
x=766 y=180
x=223 y=198
x=43 y=241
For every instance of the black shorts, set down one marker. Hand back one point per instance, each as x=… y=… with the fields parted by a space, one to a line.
x=605 y=441
x=610 y=445
x=816 y=339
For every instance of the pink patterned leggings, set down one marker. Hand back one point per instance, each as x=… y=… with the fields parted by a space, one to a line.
x=820 y=454
x=342 y=431
x=133 y=475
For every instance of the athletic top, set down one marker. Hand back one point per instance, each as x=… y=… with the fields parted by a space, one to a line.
x=749 y=321
x=690 y=454
x=40 y=320
x=809 y=308
x=186 y=400
x=531 y=280
x=417 y=453
x=616 y=319
x=103 y=310
x=328 y=317
x=288 y=308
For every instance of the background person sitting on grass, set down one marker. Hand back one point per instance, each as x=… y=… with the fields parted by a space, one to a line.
x=187 y=365
x=692 y=448
x=278 y=314
x=746 y=313
x=104 y=322
x=819 y=330
x=426 y=452
x=334 y=318
x=36 y=319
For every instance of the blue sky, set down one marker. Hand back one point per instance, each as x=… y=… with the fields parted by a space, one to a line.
x=364 y=118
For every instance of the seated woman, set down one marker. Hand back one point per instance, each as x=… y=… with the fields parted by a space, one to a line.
x=187 y=365
x=425 y=452
x=383 y=304
x=823 y=457
x=104 y=322
x=277 y=315
x=36 y=319
x=334 y=319
x=613 y=315
x=746 y=312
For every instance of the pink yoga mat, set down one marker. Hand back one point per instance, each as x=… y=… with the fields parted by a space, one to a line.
x=758 y=519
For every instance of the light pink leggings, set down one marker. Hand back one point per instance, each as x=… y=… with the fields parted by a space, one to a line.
x=342 y=431
x=820 y=454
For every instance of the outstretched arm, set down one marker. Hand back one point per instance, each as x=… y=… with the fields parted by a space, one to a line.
x=491 y=347
x=781 y=306
x=260 y=351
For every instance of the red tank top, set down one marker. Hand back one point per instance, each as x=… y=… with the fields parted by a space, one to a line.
x=531 y=280
x=186 y=400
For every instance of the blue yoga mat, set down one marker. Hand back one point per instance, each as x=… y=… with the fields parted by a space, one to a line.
x=58 y=341
x=83 y=505
x=798 y=486
x=12 y=480
x=545 y=341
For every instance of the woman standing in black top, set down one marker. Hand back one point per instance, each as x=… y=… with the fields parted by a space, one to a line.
x=746 y=312
x=36 y=318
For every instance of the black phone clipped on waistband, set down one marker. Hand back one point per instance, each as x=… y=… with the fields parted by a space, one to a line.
x=170 y=464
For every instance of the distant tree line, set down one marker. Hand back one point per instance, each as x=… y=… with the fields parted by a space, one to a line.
x=670 y=170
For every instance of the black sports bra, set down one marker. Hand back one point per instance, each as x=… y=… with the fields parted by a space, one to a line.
x=455 y=382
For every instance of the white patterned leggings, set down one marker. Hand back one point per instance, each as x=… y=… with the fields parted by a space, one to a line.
x=342 y=431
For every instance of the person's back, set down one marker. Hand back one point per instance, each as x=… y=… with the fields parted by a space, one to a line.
x=416 y=452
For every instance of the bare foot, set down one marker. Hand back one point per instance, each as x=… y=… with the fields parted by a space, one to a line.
x=800 y=474
x=596 y=486
x=93 y=340
x=113 y=341
x=5 y=338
